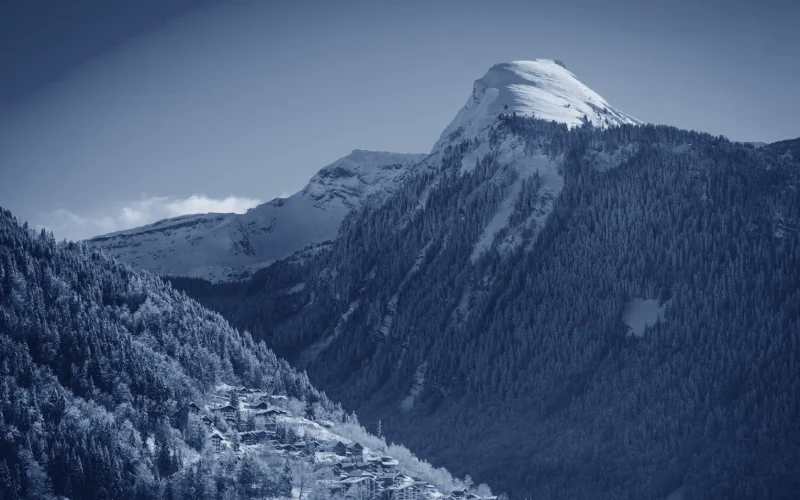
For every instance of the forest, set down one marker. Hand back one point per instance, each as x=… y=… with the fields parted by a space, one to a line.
x=517 y=361
x=100 y=367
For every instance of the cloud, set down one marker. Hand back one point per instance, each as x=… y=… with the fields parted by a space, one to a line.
x=72 y=226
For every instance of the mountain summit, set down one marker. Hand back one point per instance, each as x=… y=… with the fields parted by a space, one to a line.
x=542 y=88
x=225 y=247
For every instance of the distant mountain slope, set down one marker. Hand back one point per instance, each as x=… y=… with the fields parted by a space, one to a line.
x=102 y=369
x=221 y=247
x=789 y=147
x=582 y=312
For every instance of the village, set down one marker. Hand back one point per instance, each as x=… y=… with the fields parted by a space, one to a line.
x=249 y=420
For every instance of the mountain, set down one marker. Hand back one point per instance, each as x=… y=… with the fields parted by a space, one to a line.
x=115 y=385
x=565 y=308
x=221 y=247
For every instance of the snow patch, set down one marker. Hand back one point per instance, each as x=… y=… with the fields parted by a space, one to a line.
x=319 y=346
x=498 y=221
x=604 y=161
x=512 y=152
x=641 y=313
x=388 y=318
x=462 y=309
x=676 y=495
x=416 y=389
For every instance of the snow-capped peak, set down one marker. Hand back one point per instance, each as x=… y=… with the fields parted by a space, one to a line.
x=543 y=88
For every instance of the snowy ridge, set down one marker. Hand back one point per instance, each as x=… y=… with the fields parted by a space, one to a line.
x=222 y=247
x=542 y=88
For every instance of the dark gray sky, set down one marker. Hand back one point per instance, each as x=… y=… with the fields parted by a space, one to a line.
x=114 y=114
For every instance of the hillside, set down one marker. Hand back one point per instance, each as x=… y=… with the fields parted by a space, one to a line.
x=578 y=311
x=115 y=385
x=223 y=247
x=789 y=147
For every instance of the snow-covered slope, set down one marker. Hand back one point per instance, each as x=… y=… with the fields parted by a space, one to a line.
x=222 y=247
x=542 y=88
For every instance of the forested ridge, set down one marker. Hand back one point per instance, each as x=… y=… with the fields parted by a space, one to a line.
x=789 y=147
x=517 y=365
x=97 y=360
x=99 y=365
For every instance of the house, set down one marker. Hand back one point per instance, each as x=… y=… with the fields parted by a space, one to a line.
x=269 y=413
x=462 y=493
x=404 y=491
x=227 y=411
x=348 y=467
x=386 y=480
x=335 y=487
x=356 y=451
x=389 y=464
x=209 y=423
x=260 y=436
x=401 y=479
x=194 y=408
x=363 y=466
x=367 y=484
x=260 y=406
x=216 y=441
x=340 y=449
x=374 y=466
x=253 y=437
x=419 y=487
x=271 y=398
x=246 y=438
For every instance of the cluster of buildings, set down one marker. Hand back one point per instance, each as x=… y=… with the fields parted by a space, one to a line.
x=372 y=480
x=358 y=475
x=253 y=423
x=363 y=477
